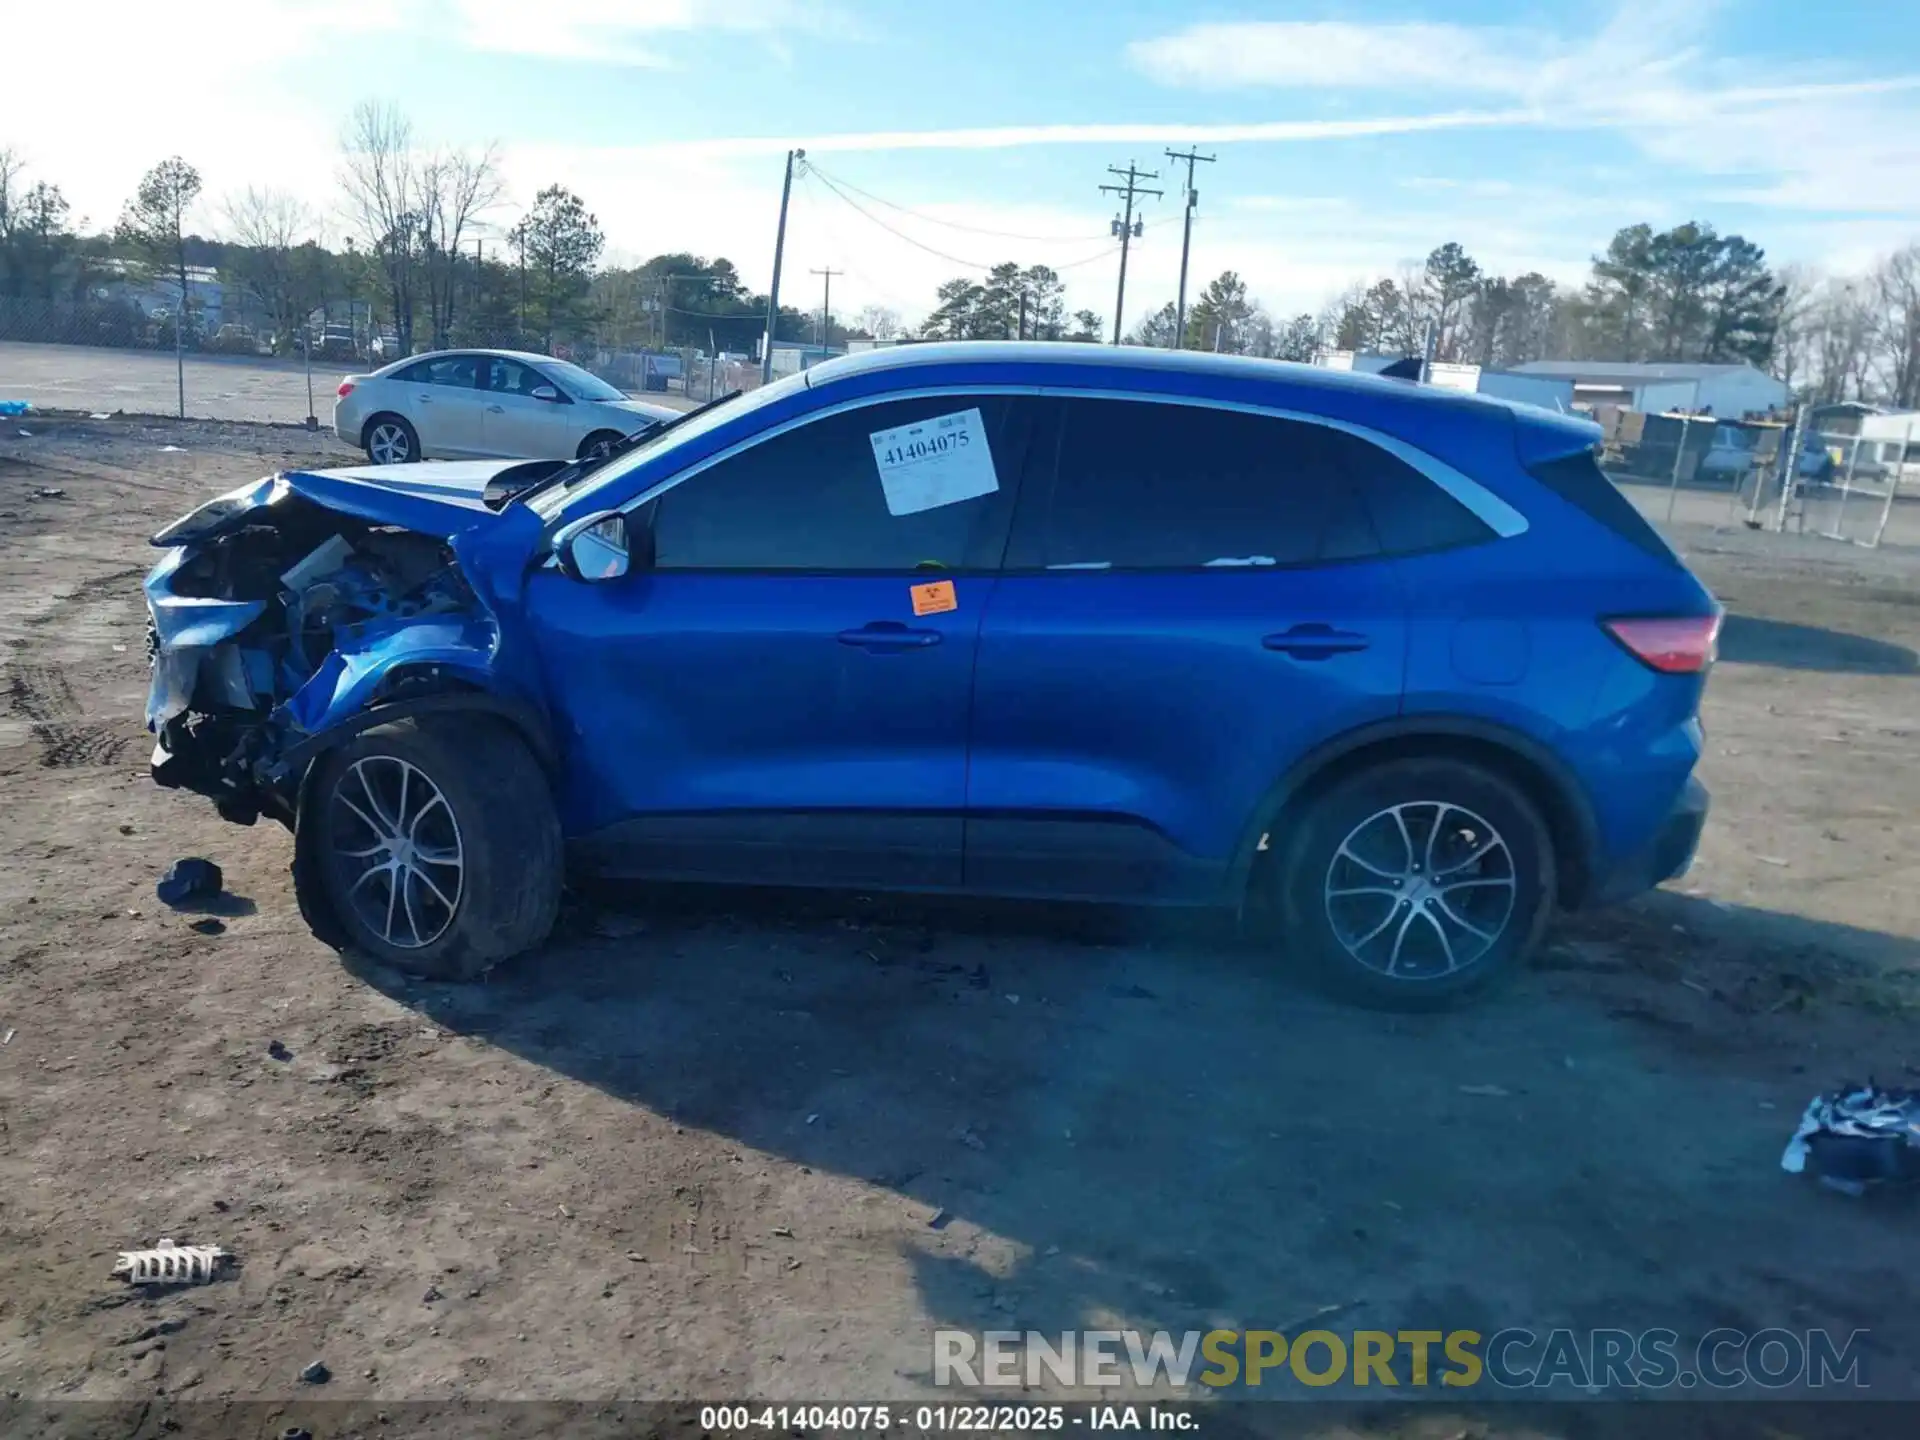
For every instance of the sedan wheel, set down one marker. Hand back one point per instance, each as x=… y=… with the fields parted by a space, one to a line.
x=390 y=443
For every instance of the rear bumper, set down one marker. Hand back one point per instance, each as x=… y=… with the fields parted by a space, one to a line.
x=1666 y=857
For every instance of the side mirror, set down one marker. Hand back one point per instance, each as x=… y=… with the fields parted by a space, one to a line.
x=594 y=548
x=547 y=393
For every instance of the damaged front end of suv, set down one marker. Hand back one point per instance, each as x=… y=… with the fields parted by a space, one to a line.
x=313 y=614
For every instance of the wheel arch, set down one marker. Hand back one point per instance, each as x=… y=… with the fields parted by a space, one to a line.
x=586 y=443
x=408 y=691
x=1540 y=775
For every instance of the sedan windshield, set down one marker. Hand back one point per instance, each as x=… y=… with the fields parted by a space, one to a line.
x=665 y=438
x=581 y=384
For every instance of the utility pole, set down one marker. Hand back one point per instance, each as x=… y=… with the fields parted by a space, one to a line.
x=1023 y=314
x=1126 y=227
x=826 y=304
x=779 y=253
x=1186 y=241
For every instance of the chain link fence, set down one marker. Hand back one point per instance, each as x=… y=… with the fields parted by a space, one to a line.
x=113 y=356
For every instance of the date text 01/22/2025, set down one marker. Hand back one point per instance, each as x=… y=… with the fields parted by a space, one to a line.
x=938 y=1419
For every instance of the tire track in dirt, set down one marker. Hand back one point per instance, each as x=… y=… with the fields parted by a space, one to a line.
x=40 y=692
x=42 y=696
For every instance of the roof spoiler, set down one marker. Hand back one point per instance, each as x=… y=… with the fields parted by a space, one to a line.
x=1542 y=436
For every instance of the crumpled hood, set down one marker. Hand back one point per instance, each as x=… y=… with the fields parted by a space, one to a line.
x=440 y=498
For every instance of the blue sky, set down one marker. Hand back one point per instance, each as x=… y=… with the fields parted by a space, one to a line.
x=1351 y=137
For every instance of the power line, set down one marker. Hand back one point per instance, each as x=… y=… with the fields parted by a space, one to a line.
x=897 y=234
x=950 y=224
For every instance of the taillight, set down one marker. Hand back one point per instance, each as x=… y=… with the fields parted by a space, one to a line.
x=346 y=389
x=1673 y=645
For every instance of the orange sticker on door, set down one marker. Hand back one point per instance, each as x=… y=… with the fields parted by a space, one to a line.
x=935 y=598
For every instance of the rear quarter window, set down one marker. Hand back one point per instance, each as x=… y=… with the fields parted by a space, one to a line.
x=1579 y=480
x=1411 y=514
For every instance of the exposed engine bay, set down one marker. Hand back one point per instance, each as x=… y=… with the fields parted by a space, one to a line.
x=274 y=602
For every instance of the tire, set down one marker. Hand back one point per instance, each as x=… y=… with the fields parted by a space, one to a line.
x=1348 y=877
x=590 y=446
x=390 y=439
x=481 y=864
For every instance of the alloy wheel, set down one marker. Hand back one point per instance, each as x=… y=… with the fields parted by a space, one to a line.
x=1420 y=890
x=397 y=845
x=388 y=445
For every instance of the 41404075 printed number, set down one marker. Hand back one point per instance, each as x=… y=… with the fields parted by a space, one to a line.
x=950 y=442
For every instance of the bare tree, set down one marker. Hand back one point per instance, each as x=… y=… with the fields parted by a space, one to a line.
x=383 y=201
x=880 y=322
x=271 y=224
x=455 y=186
x=1895 y=302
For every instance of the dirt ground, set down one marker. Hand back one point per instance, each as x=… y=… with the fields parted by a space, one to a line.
x=721 y=1145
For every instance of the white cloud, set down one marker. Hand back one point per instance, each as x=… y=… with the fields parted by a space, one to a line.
x=1335 y=54
x=612 y=31
x=1009 y=137
x=1659 y=75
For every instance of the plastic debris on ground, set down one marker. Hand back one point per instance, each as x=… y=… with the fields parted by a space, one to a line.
x=170 y=1264
x=1857 y=1137
x=15 y=407
x=189 y=880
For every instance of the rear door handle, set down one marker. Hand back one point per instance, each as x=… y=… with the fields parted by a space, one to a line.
x=1315 y=641
x=496 y=409
x=888 y=635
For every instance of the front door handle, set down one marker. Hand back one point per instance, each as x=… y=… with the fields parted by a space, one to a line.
x=1315 y=641
x=496 y=409
x=889 y=635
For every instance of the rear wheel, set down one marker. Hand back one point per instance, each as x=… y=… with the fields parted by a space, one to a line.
x=1419 y=881
x=437 y=844
x=390 y=440
x=596 y=445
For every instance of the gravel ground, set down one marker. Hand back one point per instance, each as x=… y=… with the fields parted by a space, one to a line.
x=763 y=1144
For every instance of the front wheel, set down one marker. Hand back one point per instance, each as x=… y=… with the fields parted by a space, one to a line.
x=597 y=445
x=1419 y=881
x=392 y=441
x=437 y=845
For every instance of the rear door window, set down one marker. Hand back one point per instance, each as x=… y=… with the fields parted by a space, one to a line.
x=1140 y=485
x=817 y=497
x=459 y=371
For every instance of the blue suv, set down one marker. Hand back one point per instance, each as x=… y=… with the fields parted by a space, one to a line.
x=1398 y=665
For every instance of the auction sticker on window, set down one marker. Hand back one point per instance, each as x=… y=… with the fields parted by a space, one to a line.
x=938 y=461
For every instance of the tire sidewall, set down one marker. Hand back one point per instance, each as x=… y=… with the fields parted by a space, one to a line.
x=1333 y=815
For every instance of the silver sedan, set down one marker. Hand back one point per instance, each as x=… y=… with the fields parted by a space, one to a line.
x=484 y=404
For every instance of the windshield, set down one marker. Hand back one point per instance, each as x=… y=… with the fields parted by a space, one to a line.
x=581 y=384
x=550 y=502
